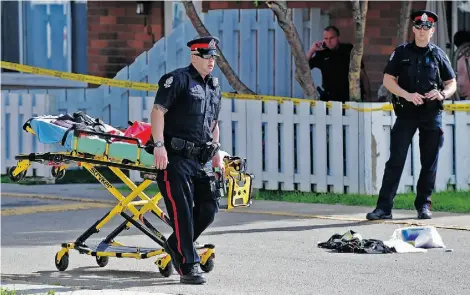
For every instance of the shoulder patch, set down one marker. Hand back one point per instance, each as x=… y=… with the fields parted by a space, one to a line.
x=168 y=82
x=215 y=81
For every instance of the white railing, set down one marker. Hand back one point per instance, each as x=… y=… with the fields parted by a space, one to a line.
x=321 y=149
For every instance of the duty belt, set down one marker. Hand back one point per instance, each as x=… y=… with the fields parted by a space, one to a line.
x=189 y=149
x=183 y=147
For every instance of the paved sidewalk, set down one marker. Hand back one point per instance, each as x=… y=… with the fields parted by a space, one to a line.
x=319 y=211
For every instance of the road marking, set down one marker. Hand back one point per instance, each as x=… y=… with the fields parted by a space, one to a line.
x=57 y=198
x=79 y=204
x=274 y=213
x=51 y=208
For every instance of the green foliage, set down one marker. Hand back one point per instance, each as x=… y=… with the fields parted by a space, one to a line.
x=449 y=201
x=13 y=292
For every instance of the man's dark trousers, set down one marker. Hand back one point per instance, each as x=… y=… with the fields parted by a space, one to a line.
x=431 y=139
x=183 y=184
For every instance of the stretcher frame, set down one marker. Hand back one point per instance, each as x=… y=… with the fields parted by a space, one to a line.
x=60 y=161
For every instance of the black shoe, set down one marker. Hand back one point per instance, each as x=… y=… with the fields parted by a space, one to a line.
x=378 y=214
x=174 y=257
x=424 y=213
x=192 y=276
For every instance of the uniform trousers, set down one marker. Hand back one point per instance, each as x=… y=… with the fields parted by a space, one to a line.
x=187 y=189
x=431 y=139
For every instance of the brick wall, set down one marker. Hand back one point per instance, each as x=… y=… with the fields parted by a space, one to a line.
x=380 y=34
x=117 y=35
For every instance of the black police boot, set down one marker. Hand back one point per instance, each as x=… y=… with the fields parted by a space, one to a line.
x=192 y=275
x=378 y=214
x=424 y=213
x=174 y=257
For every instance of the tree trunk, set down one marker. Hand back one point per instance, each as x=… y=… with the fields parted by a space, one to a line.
x=359 y=15
x=404 y=23
x=224 y=66
x=303 y=75
x=402 y=37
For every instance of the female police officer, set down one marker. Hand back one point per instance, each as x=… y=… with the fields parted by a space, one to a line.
x=420 y=76
x=186 y=134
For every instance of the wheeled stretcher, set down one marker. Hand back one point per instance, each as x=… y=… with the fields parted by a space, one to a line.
x=89 y=148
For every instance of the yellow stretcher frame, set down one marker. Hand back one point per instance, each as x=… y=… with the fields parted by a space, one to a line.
x=235 y=182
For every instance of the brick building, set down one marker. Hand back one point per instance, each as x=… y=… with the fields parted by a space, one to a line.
x=117 y=34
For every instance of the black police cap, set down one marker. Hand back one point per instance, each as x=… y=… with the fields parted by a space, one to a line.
x=205 y=45
x=424 y=16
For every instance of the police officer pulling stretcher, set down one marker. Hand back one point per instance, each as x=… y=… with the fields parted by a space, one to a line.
x=186 y=139
x=420 y=76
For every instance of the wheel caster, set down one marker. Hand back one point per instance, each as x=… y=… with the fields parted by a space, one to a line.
x=102 y=261
x=209 y=266
x=63 y=263
x=167 y=271
x=17 y=177
x=56 y=173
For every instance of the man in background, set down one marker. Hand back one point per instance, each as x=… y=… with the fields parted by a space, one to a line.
x=332 y=58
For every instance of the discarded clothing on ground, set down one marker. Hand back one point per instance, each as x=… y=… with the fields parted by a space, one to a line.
x=352 y=242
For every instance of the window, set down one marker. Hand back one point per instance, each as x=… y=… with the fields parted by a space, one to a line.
x=37 y=33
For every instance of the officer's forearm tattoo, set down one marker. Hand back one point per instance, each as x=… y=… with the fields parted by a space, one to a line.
x=160 y=108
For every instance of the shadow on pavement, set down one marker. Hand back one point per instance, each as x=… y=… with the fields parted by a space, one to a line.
x=91 y=278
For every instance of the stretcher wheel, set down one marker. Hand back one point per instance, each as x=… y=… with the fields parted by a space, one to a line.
x=17 y=177
x=63 y=263
x=167 y=271
x=102 y=261
x=57 y=174
x=209 y=266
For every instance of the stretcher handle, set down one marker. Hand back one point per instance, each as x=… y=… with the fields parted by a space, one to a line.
x=78 y=132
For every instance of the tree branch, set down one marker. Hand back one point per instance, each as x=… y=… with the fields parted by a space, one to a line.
x=303 y=75
x=224 y=66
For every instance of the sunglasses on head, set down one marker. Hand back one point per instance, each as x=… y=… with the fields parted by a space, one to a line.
x=426 y=27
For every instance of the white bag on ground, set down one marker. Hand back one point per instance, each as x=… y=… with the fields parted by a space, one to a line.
x=420 y=236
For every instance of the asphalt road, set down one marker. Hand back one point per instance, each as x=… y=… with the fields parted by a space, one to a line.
x=255 y=254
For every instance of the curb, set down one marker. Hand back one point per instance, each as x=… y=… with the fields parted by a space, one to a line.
x=61 y=290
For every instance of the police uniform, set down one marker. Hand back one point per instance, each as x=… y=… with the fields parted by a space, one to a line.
x=334 y=67
x=419 y=69
x=192 y=104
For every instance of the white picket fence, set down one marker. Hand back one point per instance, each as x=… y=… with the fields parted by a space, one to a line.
x=16 y=109
x=287 y=146
x=315 y=148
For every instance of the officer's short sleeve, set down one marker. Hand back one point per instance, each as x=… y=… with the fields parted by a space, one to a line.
x=445 y=68
x=393 y=63
x=169 y=87
x=313 y=62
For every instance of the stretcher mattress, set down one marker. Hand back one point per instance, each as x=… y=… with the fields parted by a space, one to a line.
x=49 y=132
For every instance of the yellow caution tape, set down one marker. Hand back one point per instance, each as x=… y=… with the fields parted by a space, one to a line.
x=80 y=77
x=154 y=87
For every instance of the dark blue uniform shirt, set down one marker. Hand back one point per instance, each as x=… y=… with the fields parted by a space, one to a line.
x=334 y=67
x=193 y=103
x=420 y=69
